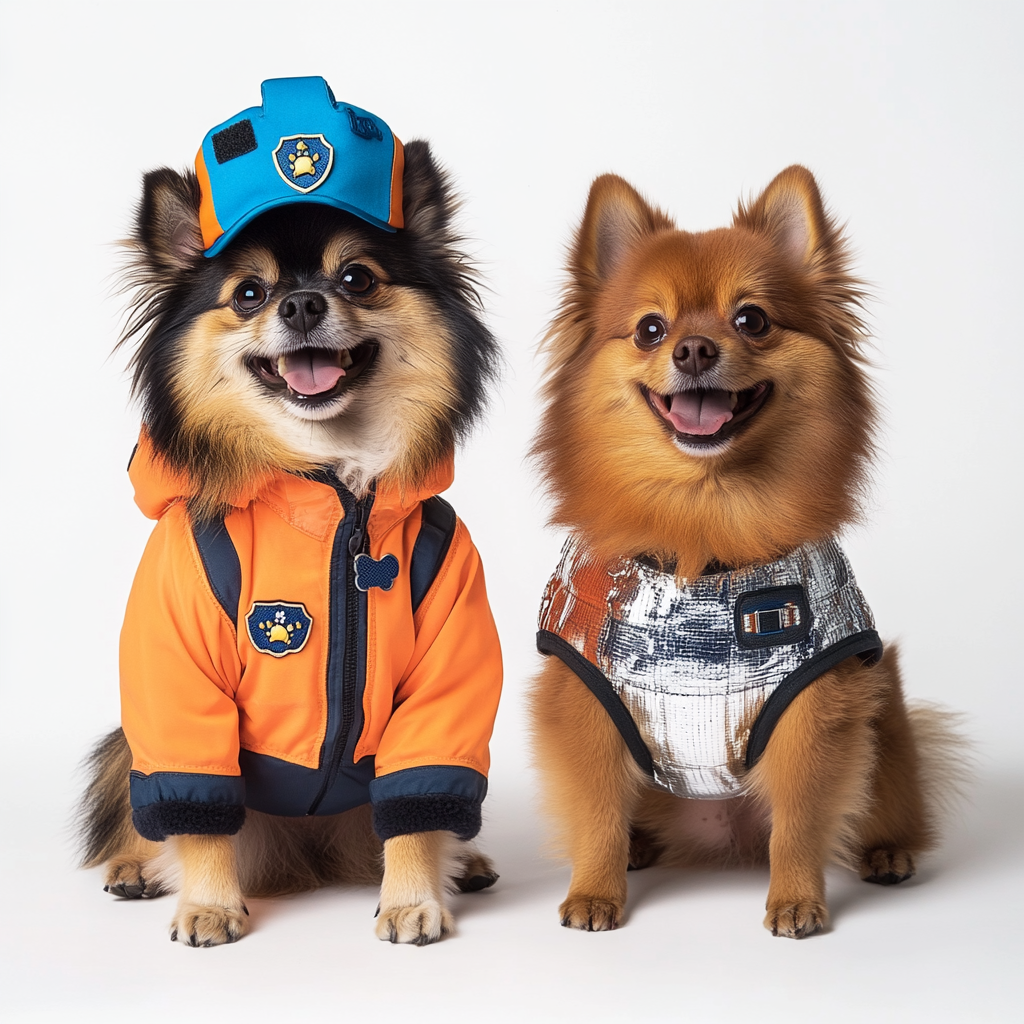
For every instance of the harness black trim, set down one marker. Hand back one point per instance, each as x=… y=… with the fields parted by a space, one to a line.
x=597 y=682
x=431 y=547
x=220 y=560
x=867 y=644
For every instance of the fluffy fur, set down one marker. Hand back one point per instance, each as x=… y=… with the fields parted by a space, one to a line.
x=210 y=415
x=401 y=312
x=764 y=318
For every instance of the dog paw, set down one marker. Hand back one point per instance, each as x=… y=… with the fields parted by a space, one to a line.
x=476 y=873
x=796 y=920
x=590 y=914
x=124 y=878
x=421 y=925
x=209 y=926
x=886 y=866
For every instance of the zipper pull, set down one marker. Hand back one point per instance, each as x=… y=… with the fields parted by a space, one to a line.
x=355 y=542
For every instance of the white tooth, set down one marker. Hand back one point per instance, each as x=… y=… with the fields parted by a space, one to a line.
x=346 y=359
x=733 y=399
x=282 y=365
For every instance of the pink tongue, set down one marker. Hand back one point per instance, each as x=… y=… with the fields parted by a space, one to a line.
x=311 y=371
x=699 y=412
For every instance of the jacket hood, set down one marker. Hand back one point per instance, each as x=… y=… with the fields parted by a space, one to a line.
x=158 y=487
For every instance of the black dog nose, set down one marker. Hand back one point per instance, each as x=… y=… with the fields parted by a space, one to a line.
x=695 y=354
x=302 y=311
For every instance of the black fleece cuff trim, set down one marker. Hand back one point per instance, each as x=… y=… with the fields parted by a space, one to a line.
x=187 y=817
x=404 y=815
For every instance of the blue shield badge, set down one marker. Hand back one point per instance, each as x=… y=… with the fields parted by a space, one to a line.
x=278 y=628
x=304 y=161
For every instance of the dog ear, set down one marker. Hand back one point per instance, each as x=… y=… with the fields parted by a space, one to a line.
x=616 y=218
x=168 y=220
x=790 y=211
x=428 y=200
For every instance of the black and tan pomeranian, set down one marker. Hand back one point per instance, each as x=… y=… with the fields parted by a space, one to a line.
x=309 y=667
x=715 y=690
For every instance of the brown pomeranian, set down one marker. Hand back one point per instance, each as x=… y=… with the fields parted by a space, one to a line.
x=716 y=691
x=309 y=667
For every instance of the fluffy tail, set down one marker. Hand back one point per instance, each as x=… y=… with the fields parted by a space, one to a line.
x=945 y=756
x=104 y=820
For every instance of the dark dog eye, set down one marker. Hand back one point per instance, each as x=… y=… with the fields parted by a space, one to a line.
x=356 y=280
x=751 y=320
x=250 y=295
x=650 y=331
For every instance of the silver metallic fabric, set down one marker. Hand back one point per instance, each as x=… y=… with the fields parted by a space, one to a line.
x=694 y=662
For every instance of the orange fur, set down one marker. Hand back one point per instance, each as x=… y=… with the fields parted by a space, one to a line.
x=841 y=776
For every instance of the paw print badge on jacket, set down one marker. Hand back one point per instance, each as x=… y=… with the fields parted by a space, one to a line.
x=278 y=628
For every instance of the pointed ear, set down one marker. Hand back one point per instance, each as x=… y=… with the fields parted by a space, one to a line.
x=168 y=220
x=616 y=218
x=428 y=200
x=790 y=211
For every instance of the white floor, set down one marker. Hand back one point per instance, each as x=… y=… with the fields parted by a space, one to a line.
x=946 y=946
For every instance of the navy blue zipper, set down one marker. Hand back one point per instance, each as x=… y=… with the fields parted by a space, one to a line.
x=343 y=651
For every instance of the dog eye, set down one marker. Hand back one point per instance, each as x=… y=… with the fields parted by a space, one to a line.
x=751 y=320
x=650 y=331
x=356 y=280
x=250 y=295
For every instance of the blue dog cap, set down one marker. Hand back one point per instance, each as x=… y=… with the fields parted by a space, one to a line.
x=300 y=146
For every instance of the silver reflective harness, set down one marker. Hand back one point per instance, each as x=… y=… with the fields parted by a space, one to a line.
x=696 y=674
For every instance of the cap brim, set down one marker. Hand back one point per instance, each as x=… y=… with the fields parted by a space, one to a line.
x=230 y=233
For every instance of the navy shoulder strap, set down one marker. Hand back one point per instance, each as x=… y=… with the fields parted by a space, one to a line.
x=431 y=547
x=220 y=560
x=224 y=571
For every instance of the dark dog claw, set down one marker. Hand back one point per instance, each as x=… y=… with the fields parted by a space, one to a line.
x=889 y=878
x=126 y=891
x=477 y=882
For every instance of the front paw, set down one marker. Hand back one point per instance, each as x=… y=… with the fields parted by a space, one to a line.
x=209 y=926
x=591 y=913
x=422 y=924
x=796 y=920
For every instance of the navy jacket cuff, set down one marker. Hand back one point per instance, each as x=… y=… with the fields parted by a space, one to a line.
x=427 y=799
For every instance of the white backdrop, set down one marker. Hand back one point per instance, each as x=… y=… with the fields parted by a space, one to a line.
x=910 y=116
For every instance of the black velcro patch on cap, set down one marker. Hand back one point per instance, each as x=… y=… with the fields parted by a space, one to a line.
x=235 y=140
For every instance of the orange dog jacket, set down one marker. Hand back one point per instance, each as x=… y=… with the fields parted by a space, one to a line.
x=306 y=654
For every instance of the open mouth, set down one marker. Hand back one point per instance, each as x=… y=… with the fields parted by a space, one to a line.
x=705 y=419
x=314 y=376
